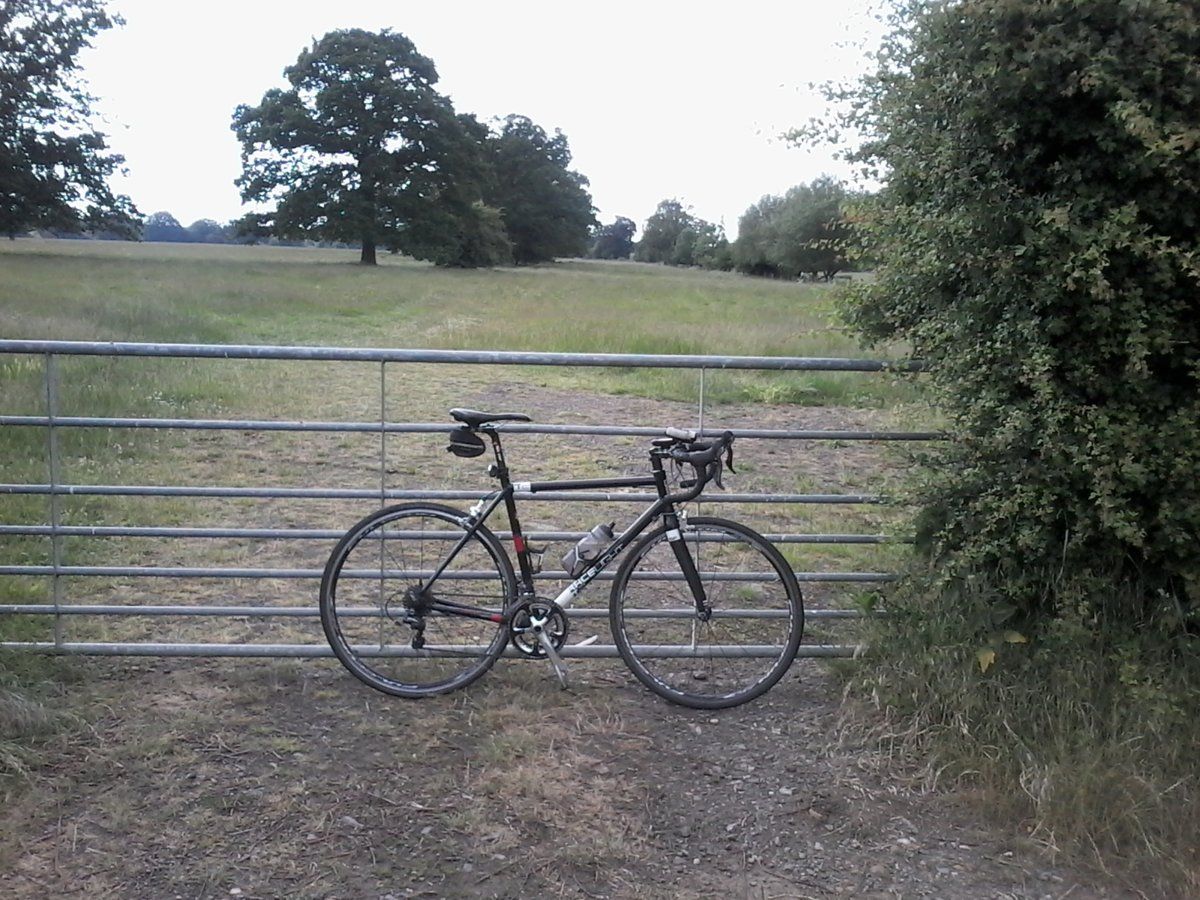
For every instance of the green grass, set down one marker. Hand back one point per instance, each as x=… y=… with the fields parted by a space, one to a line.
x=201 y=293
x=77 y=290
x=220 y=294
x=196 y=293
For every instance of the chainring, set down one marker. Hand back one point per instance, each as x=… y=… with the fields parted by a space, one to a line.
x=525 y=622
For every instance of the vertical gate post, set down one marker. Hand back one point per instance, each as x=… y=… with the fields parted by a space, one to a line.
x=382 y=434
x=56 y=540
x=382 y=480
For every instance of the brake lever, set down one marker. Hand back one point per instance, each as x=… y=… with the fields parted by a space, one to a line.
x=728 y=463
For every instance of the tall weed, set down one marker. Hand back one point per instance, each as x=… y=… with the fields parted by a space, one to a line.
x=1085 y=735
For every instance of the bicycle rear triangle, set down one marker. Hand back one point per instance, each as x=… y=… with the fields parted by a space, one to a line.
x=422 y=598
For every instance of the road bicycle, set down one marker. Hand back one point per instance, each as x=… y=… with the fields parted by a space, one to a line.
x=422 y=598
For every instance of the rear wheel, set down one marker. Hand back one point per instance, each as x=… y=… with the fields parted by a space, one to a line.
x=735 y=653
x=375 y=608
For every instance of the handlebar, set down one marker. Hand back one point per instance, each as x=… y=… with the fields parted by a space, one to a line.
x=703 y=456
x=682 y=434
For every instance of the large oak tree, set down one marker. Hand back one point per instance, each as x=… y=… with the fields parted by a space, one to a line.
x=362 y=148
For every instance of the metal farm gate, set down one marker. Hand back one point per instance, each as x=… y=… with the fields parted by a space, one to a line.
x=129 y=585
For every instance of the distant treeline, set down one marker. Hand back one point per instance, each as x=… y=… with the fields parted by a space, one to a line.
x=803 y=234
x=361 y=150
x=162 y=226
x=165 y=228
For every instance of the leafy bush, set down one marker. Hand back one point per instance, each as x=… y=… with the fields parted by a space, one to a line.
x=1038 y=247
x=1039 y=243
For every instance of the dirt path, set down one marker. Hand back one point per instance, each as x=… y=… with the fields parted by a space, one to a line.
x=219 y=779
x=208 y=779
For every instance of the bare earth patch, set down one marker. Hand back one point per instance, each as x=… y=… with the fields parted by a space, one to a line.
x=207 y=779
x=218 y=779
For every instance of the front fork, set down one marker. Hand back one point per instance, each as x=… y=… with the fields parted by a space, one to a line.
x=687 y=565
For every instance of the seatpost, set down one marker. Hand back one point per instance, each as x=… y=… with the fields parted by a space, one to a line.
x=524 y=556
x=501 y=470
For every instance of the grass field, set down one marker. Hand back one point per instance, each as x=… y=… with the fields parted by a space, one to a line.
x=276 y=294
x=194 y=293
x=230 y=294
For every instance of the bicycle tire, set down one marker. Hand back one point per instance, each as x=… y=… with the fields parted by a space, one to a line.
x=362 y=600
x=729 y=659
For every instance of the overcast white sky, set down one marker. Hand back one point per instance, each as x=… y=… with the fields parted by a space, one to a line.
x=657 y=98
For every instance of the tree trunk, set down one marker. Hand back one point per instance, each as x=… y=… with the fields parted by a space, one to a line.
x=368 y=251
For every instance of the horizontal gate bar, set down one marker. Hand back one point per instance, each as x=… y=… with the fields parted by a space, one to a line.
x=472 y=357
x=305 y=651
x=329 y=534
x=136 y=490
x=309 y=612
x=435 y=428
x=250 y=573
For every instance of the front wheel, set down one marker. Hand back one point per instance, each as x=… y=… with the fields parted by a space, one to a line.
x=391 y=631
x=738 y=649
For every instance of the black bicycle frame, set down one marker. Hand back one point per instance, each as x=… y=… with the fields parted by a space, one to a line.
x=664 y=506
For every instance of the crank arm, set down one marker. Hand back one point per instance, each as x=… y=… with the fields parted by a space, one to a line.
x=560 y=667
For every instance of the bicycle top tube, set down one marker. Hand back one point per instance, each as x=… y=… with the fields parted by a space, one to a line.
x=585 y=484
x=679 y=445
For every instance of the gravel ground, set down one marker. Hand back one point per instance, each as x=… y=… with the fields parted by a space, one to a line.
x=219 y=779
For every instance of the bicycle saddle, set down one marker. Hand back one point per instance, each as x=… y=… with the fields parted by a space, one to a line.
x=473 y=418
